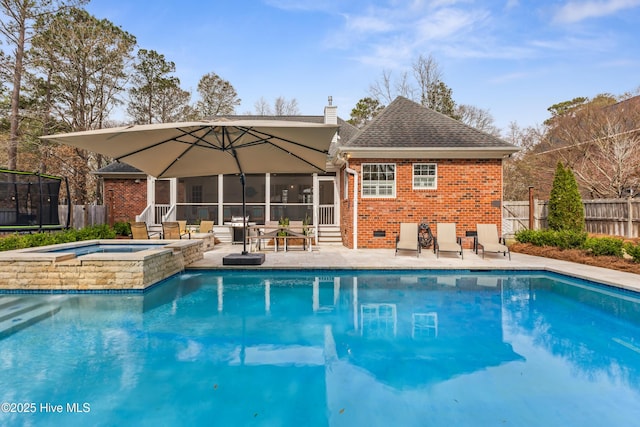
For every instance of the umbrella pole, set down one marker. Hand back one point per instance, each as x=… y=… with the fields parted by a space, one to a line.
x=244 y=216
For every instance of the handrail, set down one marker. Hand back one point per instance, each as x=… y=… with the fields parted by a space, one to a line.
x=145 y=214
x=170 y=215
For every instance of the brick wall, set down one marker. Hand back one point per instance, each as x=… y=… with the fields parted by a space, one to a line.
x=467 y=192
x=125 y=198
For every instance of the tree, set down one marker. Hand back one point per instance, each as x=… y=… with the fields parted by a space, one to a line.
x=81 y=63
x=151 y=79
x=171 y=104
x=217 y=96
x=281 y=107
x=477 y=118
x=524 y=169
x=18 y=17
x=564 y=107
x=365 y=110
x=566 y=212
x=440 y=99
x=385 y=90
x=261 y=107
x=427 y=87
x=600 y=140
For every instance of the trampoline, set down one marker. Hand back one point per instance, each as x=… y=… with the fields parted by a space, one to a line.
x=29 y=201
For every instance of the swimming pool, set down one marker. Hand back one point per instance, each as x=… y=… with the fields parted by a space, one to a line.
x=330 y=348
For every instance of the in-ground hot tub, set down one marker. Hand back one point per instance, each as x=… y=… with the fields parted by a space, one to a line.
x=96 y=265
x=95 y=248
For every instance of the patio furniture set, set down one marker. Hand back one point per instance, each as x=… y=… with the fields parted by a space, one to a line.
x=412 y=238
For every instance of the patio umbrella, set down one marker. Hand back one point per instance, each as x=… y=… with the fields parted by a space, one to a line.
x=172 y=150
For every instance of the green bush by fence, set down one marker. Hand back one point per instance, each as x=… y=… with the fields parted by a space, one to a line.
x=598 y=246
x=21 y=241
x=564 y=239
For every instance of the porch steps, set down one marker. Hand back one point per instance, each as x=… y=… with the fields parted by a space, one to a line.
x=17 y=313
x=223 y=233
x=329 y=235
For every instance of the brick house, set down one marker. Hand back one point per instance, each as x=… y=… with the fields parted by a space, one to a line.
x=410 y=164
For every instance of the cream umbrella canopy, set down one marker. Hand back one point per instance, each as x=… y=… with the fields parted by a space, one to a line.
x=172 y=150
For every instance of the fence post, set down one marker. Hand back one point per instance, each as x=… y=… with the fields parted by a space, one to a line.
x=531 y=209
x=629 y=218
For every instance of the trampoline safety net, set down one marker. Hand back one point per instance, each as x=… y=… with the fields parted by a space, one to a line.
x=28 y=199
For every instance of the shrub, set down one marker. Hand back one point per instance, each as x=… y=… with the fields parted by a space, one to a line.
x=633 y=251
x=95 y=232
x=9 y=243
x=122 y=228
x=570 y=239
x=564 y=239
x=17 y=241
x=535 y=237
x=610 y=246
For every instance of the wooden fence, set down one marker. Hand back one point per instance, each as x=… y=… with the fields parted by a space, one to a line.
x=615 y=217
x=83 y=215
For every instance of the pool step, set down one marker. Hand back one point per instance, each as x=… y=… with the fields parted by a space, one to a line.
x=18 y=313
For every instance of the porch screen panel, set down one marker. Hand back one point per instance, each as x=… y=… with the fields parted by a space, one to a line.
x=198 y=198
x=255 y=195
x=291 y=196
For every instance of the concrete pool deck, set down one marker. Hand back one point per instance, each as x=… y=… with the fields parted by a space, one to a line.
x=340 y=257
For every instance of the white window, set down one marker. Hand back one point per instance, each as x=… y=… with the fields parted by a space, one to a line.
x=425 y=176
x=378 y=180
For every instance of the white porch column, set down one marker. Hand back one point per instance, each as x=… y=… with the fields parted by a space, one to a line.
x=267 y=197
x=220 y=219
x=316 y=203
x=173 y=191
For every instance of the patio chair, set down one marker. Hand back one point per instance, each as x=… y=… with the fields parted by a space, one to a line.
x=446 y=240
x=140 y=231
x=206 y=226
x=489 y=240
x=171 y=231
x=407 y=240
x=183 y=226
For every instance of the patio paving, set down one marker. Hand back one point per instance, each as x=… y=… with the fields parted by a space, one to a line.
x=340 y=257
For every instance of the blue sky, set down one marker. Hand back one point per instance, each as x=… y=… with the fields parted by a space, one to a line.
x=514 y=58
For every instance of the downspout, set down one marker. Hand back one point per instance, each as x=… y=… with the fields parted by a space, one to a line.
x=355 y=203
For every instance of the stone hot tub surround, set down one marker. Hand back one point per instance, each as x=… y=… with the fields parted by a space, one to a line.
x=33 y=269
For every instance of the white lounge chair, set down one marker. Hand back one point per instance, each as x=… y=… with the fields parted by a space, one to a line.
x=446 y=240
x=407 y=240
x=489 y=240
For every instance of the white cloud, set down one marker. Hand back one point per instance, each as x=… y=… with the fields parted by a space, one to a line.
x=445 y=23
x=575 y=11
x=368 y=24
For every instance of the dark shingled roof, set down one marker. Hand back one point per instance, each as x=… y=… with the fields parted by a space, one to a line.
x=118 y=168
x=406 y=124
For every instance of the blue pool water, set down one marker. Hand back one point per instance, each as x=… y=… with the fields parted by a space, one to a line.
x=106 y=248
x=328 y=348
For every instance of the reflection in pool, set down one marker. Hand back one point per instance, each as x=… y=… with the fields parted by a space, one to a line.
x=334 y=348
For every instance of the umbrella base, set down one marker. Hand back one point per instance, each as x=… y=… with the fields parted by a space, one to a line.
x=243 y=259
